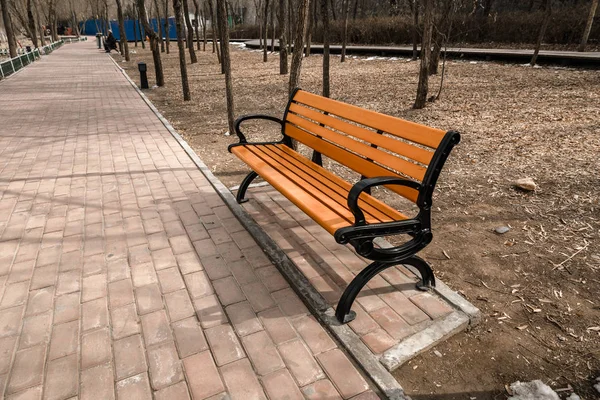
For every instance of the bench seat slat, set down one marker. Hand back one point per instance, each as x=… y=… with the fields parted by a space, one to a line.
x=351 y=160
x=349 y=144
x=430 y=137
x=294 y=181
x=402 y=148
x=375 y=211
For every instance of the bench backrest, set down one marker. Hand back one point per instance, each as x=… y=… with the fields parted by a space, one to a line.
x=370 y=143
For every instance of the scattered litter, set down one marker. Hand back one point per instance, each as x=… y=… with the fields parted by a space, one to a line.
x=154 y=87
x=473 y=62
x=573 y=396
x=534 y=390
x=227 y=133
x=437 y=353
x=526 y=184
x=597 y=385
x=501 y=230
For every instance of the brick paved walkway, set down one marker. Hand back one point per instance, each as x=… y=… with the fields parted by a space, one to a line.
x=122 y=273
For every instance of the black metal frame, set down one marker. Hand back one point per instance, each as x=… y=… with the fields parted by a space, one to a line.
x=361 y=234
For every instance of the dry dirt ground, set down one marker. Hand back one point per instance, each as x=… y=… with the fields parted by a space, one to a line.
x=537 y=285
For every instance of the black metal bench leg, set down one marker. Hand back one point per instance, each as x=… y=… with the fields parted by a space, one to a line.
x=343 y=312
x=244 y=186
x=427 y=278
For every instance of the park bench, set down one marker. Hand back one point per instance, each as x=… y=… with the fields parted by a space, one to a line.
x=403 y=156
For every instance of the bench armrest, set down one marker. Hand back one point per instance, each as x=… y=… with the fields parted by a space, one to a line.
x=364 y=184
x=241 y=119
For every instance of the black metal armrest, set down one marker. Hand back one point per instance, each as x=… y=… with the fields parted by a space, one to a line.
x=361 y=186
x=241 y=119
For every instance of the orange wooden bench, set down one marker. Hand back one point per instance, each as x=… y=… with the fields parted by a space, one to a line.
x=403 y=156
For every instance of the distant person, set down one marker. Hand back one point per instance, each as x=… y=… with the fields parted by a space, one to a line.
x=110 y=43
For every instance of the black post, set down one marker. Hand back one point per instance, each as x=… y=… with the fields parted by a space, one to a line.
x=143 y=75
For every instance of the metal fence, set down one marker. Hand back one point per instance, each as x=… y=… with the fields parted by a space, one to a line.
x=13 y=65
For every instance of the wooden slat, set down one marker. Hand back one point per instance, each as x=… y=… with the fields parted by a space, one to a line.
x=363 y=201
x=349 y=144
x=313 y=207
x=317 y=182
x=404 y=149
x=417 y=133
x=353 y=161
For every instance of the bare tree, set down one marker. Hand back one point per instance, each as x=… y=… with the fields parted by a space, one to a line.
x=346 y=5
x=159 y=24
x=311 y=12
x=440 y=35
x=266 y=30
x=160 y=78
x=545 y=22
x=325 y=16
x=167 y=34
x=197 y=23
x=190 y=32
x=180 y=36
x=31 y=23
x=122 y=34
x=415 y=11
x=212 y=28
x=423 y=85
x=283 y=51
x=588 y=26
x=303 y=8
x=142 y=36
x=226 y=61
x=8 y=28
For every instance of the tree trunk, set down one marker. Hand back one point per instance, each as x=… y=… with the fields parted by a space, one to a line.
x=588 y=26
x=204 y=26
x=213 y=23
x=345 y=4
x=31 y=24
x=415 y=29
x=440 y=35
x=325 y=16
x=160 y=78
x=538 y=44
x=142 y=36
x=333 y=9
x=39 y=26
x=220 y=33
x=311 y=13
x=122 y=34
x=197 y=25
x=266 y=30
x=303 y=8
x=224 y=28
x=273 y=28
x=190 y=32
x=423 y=86
x=167 y=35
x=180 y=36
x=355 y=11
x=283 y=51
x=8 y=28
x=159 y=24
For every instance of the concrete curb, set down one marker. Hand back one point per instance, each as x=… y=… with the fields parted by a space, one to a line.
x=350 y=342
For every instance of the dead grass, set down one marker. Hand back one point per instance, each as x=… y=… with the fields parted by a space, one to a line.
x=538 y=284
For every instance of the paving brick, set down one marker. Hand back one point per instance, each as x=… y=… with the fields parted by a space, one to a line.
x=40 y=301
x=170 y=280
x=95 y=348
x=136 y=387
x=143 y=275
x=94 y=314
x=431 y=305
x=179 y=305
x=48 y=256
x=300 y=362
x=36 y=330
x=394 y=325
x=118 y=269
x=178 y=391
x=62 y=378
x=164 y=258
x=363 y=323
x=198 y=284
x=405 y=308
x=120 y=293
x=228 y=291
x=209 y=311
x=66 y=308
x=7 y=348
x=93 y=265
x=65 y=340
x=188 y=263
x=313 y=334
x=15 y=294
x=342 y=373
x=262 y=352
x=181 y=244
x=271 y=278
x=165 y=366
x=242 y=271
x=129 y=357
x=97 y=383
x=224 y=344
x=368 y=395
x=189 y=337
x=68 y=282
x=202 y=375
x=322 y=389
x=205 y=248
x=94 y=287
x=156 y=328
x=21 y=272
x=281 y=385
x=34 y=393
x=258 y=296
x=216 y=267
x=289 y=303
x=124 y=321
x=44 y=277
x=28 y=369
x=243 y=318
x=148 y=298
x=378 y=341
x=241 y=381
x=277 y=325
